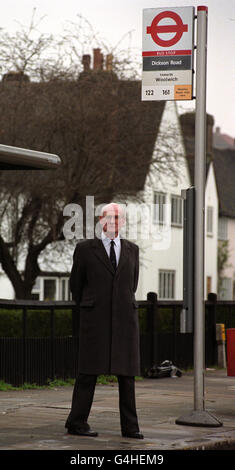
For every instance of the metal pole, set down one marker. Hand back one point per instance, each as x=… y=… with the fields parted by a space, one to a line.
x=199 y=180
x=200 y=417
x=188 y=258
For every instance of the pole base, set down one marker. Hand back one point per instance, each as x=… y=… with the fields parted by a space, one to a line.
x=199 y=418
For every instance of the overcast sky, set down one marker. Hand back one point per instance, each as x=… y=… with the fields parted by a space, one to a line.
x=114 y=19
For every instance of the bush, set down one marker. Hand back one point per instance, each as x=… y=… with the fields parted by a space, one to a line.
x=226 y=314
x=11 y=323
x=38 y=323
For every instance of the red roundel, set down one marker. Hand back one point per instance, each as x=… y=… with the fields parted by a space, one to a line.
x=178 y=28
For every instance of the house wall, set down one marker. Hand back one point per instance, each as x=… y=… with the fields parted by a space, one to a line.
x=169 y=255
x=6 y=289
x=163 y=248
x=231 y=237
x=211 y=240
x=153 y=260
x=228 y=274
x=60 y=292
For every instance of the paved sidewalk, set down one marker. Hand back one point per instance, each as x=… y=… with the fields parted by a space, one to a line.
x=34 y=419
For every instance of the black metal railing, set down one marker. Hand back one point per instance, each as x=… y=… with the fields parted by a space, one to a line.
x=37 y=359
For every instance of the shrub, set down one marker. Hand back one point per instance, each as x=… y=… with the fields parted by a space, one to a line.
x=38 y=323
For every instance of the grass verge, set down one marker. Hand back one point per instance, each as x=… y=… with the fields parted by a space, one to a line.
x=102 y=379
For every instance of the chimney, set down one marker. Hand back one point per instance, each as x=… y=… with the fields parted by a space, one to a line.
x=98 y=59
x=86 y=61
x=109 y=62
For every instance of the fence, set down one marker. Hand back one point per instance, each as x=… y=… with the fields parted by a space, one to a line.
x=37 y=359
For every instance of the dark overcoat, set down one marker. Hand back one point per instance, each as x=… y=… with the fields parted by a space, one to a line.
x=109 y=327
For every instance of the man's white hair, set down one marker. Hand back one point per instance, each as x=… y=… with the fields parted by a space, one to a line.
x=113 y=206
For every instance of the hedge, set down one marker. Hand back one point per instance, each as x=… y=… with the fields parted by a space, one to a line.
x=38 y=323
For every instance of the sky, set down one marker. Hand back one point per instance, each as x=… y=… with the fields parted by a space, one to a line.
x=114 y=20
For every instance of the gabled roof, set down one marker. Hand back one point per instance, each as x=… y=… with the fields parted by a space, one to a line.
x=97 y=121
x=134 y=125
x=223 y=141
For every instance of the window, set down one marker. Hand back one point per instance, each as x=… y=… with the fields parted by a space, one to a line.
x=177 y=211
x=226 y=289
x=159 y=208
x=166 y=284
x=223 y=229
x=49 y=289
x=209 y=224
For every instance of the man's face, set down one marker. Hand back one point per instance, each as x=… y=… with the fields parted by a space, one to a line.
x=112 y=220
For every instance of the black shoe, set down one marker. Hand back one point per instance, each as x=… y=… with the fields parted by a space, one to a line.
x=82 y=432
x=134 y=435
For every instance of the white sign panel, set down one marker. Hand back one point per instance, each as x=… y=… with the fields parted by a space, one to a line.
x=168 y=41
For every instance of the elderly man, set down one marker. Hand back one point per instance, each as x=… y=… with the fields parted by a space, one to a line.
x=103 y=282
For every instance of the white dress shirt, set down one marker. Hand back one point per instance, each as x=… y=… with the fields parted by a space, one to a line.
x=107 y=244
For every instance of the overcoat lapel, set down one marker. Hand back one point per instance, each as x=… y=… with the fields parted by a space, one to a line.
x=101 y=253
x=123 y=255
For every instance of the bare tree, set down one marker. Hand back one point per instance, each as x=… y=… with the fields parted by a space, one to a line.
x=53 y=100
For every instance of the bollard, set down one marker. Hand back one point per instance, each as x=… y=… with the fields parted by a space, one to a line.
x=231 y=352
x=220 y=339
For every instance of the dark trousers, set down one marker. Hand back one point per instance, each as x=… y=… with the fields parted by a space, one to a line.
x=82 y=399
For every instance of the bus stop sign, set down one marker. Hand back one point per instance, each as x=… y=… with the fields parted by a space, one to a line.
x=168 y=44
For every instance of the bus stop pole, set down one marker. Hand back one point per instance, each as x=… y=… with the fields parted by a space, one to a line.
x=200 y=417
x=199 y=181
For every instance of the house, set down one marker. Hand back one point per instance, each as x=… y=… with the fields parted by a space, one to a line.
x=211 y=196
x=162 y=261
x=220 y=172
x=160 y=142
x=222 y=141
x=224 y=164
x=161 y=256
x=224 y=161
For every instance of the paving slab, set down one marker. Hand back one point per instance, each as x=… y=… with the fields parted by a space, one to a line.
x=34 y=419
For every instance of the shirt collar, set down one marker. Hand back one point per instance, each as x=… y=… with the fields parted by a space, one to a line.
x=107 y=240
